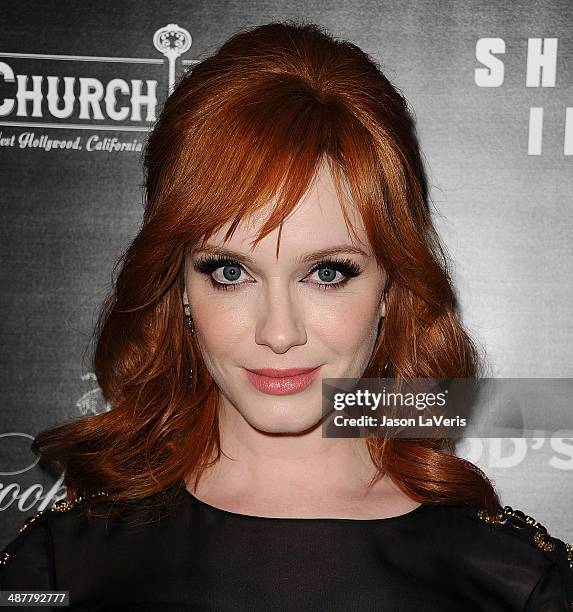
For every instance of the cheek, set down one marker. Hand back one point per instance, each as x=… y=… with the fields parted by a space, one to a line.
x=220 y=322
x=349 y=325
x=214 y=324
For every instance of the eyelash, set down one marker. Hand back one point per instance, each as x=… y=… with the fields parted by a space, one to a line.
x=209 y=263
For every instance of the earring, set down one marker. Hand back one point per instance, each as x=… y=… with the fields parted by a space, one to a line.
x=189 y=318
x=387 y=364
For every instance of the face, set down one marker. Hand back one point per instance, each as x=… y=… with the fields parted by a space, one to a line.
x=254 y=311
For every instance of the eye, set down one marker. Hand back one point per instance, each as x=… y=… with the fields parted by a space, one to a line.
x=223 y=272
x=227 y=273
x=328 y=269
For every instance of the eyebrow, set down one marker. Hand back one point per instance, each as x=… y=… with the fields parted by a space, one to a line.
x=307 y=258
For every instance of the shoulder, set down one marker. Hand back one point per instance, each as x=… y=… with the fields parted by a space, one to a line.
x=513 y=547
x=27 y=561
x=96 y=530
x=515 y=524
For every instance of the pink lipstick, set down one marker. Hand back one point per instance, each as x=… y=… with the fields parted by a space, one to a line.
x=282 y=382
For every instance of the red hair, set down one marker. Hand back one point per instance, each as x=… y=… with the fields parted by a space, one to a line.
x=247 y=125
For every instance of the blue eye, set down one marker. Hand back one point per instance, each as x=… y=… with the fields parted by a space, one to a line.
x=211 y=263
x=231 y=270
x=327 y=270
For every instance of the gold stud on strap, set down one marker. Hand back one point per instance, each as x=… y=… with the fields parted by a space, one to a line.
x=4 y=559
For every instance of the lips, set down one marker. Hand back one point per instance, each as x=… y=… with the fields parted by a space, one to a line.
x=274 y=373
x=282 y=382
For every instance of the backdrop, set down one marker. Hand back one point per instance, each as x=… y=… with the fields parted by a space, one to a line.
x=80 y=86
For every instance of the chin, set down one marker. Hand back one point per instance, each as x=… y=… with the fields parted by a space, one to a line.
x=287 y=422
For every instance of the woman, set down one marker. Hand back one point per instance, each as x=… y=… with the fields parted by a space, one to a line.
x=287 y=238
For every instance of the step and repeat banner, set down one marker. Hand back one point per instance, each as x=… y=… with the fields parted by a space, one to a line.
x=491 y=88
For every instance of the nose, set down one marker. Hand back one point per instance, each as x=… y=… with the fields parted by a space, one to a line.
x=280 y=322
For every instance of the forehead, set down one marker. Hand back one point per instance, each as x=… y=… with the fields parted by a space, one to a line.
x=317 y=221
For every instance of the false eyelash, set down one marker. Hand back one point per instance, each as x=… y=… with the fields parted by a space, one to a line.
x=207 y=264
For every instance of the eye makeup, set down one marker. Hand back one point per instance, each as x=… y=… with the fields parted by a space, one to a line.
x=208 y=264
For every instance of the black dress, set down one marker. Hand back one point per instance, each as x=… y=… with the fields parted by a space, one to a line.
x=189 y=555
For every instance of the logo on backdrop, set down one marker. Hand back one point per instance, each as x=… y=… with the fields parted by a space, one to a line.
x=93 y=400
x=41 y=96
x=540 y=71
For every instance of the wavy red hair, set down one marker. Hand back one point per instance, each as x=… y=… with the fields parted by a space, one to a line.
x=248 y=125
